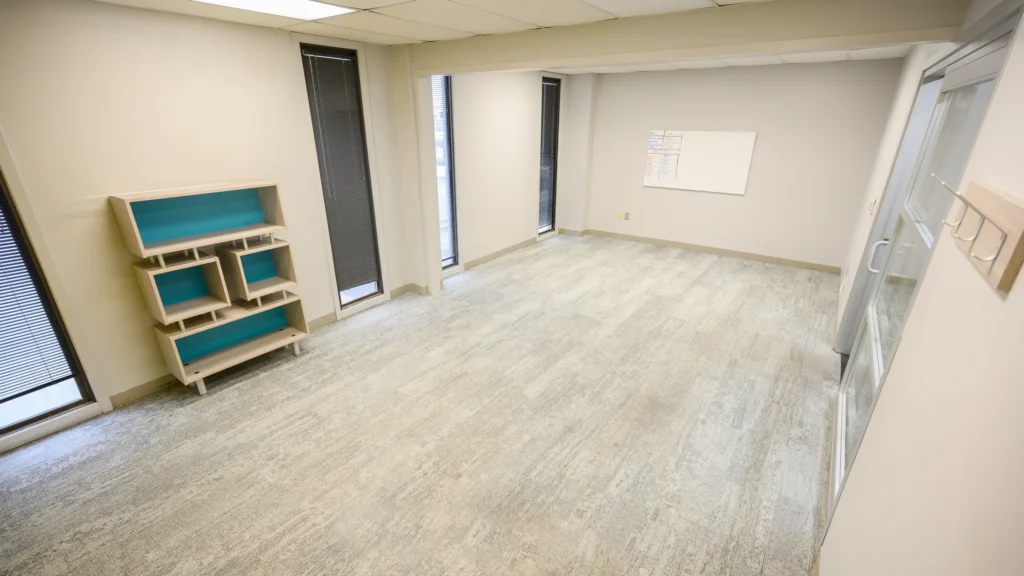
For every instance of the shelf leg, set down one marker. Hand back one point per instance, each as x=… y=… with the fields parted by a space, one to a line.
x=245 y=243
x=295 y=348
x=272 y=239
x=259 y=301
x=201 y=387
x=181 y=325
x=195 y=253
x=160 y=259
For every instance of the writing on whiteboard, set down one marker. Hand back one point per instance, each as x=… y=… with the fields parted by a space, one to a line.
x=703 y=161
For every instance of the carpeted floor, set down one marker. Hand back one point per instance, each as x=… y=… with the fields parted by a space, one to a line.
x=582 y=406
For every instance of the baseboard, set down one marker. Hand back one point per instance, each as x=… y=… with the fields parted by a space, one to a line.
x=321 y=321
x=498 y=254
x=719 y=251
x=141 y=391
x=409 y=288
x=567 y=232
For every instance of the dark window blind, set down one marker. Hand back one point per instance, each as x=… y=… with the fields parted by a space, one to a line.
x=444 y=152
x=548 y=152
x=32 y=354
x=332 y=82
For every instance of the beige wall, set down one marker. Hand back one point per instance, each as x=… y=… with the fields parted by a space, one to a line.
x=497 y=160
x=100 y=99
x=575 y=151
x=935 y=489
x=818 y=128
x=906 y=91
x=778 y=26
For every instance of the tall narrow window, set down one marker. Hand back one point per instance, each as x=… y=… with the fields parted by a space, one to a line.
x=332 y=83
x=551 y=94
x=39 y=376
x=444 y=152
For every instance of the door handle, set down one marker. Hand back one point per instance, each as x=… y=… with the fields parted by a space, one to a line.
x=874 y=249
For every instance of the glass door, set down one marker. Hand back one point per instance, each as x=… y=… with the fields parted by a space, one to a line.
x=951 y=135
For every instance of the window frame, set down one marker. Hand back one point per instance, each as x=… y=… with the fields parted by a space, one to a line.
x=545 y=80
x=49 y=304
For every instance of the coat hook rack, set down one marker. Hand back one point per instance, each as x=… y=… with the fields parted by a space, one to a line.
x=993 y=233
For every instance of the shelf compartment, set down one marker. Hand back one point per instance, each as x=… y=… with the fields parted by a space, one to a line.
x=186 y=286
x=258 y=268
x=165 y=221
x=242 y=333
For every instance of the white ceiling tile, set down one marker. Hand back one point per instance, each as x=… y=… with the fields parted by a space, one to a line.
x=568 y=70
x=455 y=16
x=627 y=8
x=757 y=60
x=697 y=64
x=209 y=11
x=880 y=53
x=320 y=29
x=391 y=26
x=363 y=4
x=815 y=57
x=542 y=12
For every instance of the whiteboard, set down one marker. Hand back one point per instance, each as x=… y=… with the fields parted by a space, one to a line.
x=700 y=161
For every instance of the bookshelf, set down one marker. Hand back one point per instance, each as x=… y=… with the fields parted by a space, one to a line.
x=209 y=320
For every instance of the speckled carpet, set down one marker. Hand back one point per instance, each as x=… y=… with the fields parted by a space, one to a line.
x=582 y=406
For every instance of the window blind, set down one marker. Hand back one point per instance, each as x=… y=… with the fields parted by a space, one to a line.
x=548 y=152
x=444 y=152
x=332 y=82
x=32 y=355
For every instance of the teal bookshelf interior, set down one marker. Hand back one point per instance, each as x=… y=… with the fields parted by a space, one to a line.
x=233 y=333
x=181 y=285
x=169 y=219
x=259 y=266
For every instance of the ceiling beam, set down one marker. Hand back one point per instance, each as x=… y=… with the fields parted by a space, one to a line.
x=772 y=27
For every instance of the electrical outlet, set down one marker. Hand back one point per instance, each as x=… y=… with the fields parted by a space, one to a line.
x=627 y=215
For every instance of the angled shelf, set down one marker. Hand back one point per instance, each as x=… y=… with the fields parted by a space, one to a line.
x=241 y=332
x=186 y=286
x=257 y=269
x=165 y=221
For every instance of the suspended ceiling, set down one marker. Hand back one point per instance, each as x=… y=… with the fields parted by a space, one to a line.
x=395 y=22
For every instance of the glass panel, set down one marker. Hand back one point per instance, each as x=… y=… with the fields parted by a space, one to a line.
x=39 y=402
x=949 y=150
x=443 y=153
x=908 y=259
x=358 y=293
x=859 y=390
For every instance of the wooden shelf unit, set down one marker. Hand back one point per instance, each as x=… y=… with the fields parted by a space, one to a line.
x=184 y=287
x=210 y=346
x=258 y=268
x=162 y=221
x=210 y=321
